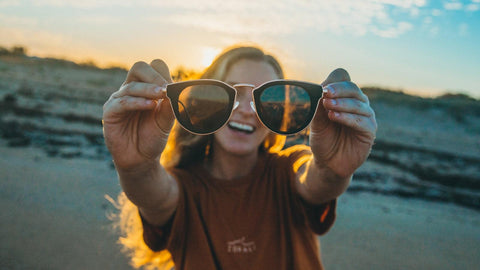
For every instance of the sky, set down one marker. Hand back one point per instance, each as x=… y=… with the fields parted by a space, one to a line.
x=421 y=47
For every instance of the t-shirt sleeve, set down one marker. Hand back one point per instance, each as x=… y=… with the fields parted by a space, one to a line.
x=320 y=217
x=156 y=237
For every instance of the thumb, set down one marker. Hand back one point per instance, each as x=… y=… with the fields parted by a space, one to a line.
x=338 y=75
x=162 y=68
x=321 y=120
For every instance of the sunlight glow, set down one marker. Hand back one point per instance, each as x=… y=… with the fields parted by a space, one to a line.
x=208 y=55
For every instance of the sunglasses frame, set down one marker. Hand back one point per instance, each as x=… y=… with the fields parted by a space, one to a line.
x=314 y=91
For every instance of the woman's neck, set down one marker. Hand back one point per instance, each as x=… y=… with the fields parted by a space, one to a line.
x=223 y=165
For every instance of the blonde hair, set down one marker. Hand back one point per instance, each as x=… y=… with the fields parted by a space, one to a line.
x=184 y=148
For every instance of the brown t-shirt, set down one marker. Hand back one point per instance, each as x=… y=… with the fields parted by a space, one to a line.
x=256 y=222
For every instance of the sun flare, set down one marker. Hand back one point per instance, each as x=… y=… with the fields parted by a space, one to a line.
x=208 y=55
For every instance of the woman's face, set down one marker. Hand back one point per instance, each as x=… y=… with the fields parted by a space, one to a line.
x=244 y=133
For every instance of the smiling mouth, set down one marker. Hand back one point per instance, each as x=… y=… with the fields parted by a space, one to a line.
x=241 y=127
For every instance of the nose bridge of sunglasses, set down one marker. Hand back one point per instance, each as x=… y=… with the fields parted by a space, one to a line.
x=243 y=85
x=243 y=95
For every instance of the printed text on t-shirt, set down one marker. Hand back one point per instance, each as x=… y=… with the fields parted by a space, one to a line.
x=240 y=246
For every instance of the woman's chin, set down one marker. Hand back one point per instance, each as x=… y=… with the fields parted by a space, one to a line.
x=241 y=151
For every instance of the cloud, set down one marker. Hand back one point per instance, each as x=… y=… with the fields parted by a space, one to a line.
x=285 y=17
x=85 y=4
x=436 y=12
x=453 y=5
x=253 y=18
x=472 y=7
x=269 y=17
x=9 y=3
x=393 y=31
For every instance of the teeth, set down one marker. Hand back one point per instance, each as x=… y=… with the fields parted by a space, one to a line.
x=241 y=127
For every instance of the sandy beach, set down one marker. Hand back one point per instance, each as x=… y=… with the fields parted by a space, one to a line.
x=415 y=203
x=54 y=213
x=380 y=232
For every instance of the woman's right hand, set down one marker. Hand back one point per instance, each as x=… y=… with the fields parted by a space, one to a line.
x=137 y=118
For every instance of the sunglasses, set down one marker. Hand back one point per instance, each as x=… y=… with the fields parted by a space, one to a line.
x=204 y=106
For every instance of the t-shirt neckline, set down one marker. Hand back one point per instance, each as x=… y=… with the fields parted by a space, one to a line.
x=253 y=174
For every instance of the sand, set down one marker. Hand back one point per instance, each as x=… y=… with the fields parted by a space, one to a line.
x=54 y=214
x=380 y=232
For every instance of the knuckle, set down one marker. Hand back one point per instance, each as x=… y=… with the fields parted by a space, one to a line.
x=123 y=101
x=128 y=87
x=358 y=105
x=357 y=119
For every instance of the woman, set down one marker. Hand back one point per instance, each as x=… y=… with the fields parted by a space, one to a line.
x=232 y=199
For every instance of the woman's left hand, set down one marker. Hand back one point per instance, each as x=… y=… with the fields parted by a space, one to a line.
x=343 y=129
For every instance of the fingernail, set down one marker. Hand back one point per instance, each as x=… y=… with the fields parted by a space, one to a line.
x=328 y=89
x=159 y=89
x=334 y=102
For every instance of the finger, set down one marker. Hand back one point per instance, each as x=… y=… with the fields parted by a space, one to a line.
x=128 y=103
x=338 y=75
x=162 y=68
x=139 y=89
x=349 y=105
x=354 y=121
x=143 y=72
x=165 y=122
x=344 y=90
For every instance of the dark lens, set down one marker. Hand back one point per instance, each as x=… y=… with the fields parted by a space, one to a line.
x=203 y=108
x=285 y=108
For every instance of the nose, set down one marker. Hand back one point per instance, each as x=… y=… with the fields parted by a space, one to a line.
x=244 y=102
